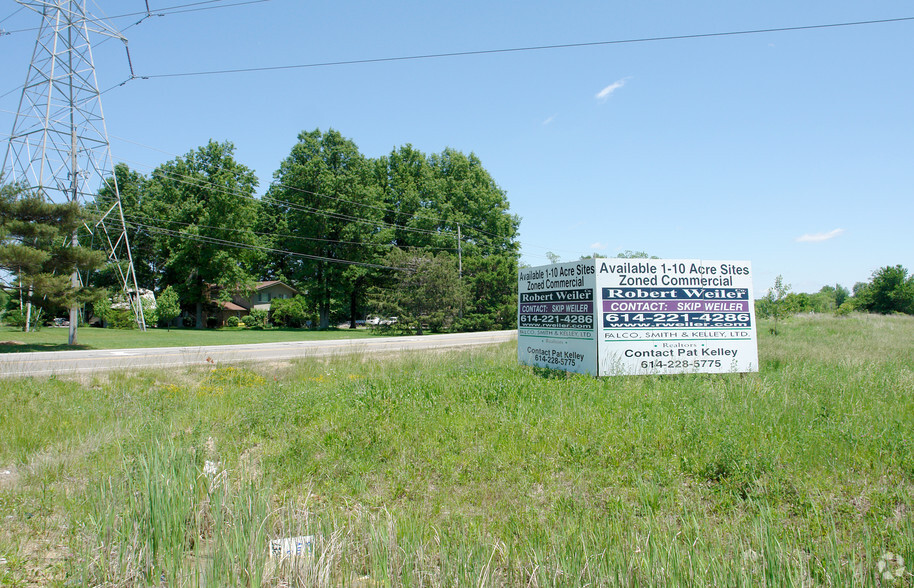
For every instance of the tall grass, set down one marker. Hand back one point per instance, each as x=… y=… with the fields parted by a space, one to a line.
x=463 y=468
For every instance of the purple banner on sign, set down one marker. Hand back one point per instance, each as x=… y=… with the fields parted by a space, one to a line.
x=675 y=306
x=556 y=307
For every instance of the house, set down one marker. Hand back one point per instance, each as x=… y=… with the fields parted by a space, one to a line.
x=264 y=292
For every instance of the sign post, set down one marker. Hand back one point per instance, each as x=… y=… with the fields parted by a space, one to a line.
x=609 y=317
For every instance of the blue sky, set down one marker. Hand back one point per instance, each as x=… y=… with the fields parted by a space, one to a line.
x=792 y=150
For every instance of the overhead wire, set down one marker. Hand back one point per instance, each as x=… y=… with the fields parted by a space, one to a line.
x=239 y=245
x=195 y=181
x=147 y=218
x=441 y=220
x=529 y=48
x=9 y=16
x=178 y=9
x=308 y=209
x=190 y=180
x=379 y=208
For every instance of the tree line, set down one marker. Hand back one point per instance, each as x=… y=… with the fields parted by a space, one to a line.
x=890 y=290
x=353 y=234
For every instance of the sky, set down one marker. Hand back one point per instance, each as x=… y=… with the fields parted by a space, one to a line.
x=792 y=149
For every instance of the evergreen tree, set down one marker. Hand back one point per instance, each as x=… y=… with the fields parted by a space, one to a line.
x=37 y=249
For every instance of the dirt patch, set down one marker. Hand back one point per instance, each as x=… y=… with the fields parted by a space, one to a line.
x=11 y=343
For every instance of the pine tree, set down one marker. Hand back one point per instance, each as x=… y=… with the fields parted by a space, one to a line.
x=37 y=250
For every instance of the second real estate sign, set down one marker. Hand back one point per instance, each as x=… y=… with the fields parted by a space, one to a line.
x=649 y=316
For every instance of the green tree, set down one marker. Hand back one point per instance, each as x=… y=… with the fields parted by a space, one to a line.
x=841 y=295
x=425 y=291
x=776 y=305
x=37 y=250
x=491 y=299
x=324 y=207
x=629 y=254
x=290 y=312
x=168 y=307
x=890 y=290
x=202 y=211
x=449 y=204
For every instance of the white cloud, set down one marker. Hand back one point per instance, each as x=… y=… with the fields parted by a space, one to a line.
x=598 y=246
x=608 y=90
x=819 y=237
x=549 y=120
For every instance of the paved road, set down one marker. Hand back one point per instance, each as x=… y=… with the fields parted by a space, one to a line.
x=46 y=363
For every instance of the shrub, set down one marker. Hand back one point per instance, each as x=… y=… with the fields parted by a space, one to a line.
x=16 y=318
x=289 y=312
x=257 y=319
x=846 y=308
x=167 y=306
x=114 y=318
x=232 y=321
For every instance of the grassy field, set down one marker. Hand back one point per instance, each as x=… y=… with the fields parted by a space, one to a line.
x=55 y=339
x=463 y=468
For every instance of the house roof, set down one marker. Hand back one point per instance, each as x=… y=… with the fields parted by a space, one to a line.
x=230 y=306
x=268 y=283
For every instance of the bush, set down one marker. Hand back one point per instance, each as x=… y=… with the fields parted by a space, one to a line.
x=16 y=318
x=168 y=306
x=114 y=318
x=289 y=312
x=846 y=308
x=232 y=321
x=257 y=319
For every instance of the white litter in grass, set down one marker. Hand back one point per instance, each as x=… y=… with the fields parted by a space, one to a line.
x=210 y=468
x=292 y=547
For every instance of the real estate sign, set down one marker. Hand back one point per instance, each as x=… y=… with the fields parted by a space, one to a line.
x=556 y=317
x=638 y=316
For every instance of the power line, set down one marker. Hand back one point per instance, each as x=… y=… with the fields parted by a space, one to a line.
x=239 y=245
x=178 y=9
x=380 y=208
x=9 y=16
x=194 y=181
x=198 y=182
x=529 y=48
x=140 y=218
x=337 y=198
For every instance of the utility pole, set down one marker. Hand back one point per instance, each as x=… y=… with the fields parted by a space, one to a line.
x=59 y=146
x=460 y=267
x=459 y=253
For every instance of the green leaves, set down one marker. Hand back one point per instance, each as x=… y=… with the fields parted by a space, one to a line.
x=425 y=291
x=37 y=248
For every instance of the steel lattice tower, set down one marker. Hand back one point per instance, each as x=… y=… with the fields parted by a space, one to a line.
x=59 y=145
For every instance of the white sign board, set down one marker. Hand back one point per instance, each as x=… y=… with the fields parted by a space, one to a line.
x=638 y=316
x=556 y=319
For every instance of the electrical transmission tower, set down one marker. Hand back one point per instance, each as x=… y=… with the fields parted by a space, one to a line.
x=59 y=145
